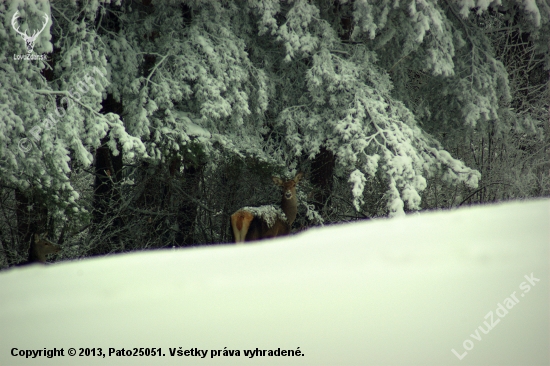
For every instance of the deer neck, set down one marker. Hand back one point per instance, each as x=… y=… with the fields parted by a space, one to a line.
x=290 y=208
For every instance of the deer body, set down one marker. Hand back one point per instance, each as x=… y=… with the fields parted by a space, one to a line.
x=40 y=248
x=255 y=223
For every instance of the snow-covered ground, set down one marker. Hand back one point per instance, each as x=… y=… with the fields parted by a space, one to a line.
x=402 y=291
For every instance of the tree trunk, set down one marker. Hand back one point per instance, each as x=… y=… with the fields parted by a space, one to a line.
x=32 y=216
x=322 y=171
x=108 y=172
x=187 y=210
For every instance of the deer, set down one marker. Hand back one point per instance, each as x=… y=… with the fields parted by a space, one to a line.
x=256 y=223
x=39 y=248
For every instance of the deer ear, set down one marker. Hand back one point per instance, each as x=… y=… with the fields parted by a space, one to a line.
x=36 y=238
x=298 y=177
x=277 y=181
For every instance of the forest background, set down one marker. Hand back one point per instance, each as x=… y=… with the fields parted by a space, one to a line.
x=148 y=123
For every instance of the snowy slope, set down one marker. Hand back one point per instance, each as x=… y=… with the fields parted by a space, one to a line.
x=401 y=291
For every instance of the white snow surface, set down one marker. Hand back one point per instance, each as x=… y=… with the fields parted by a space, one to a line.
x=402 y=291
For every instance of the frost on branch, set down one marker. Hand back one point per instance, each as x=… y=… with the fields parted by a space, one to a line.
x=357 y=179
x=202 y=89
x=395 y=203
x=413 y=30
x=267 y=9
x=303 y=31
x=267 y=213
x=371 y=165
x=530 y=7
x=368 y=130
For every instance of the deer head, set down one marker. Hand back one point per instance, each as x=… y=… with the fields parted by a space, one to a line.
x=289 y=202
x=41 y=247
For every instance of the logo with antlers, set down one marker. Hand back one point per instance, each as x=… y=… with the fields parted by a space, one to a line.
x=29 y=40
